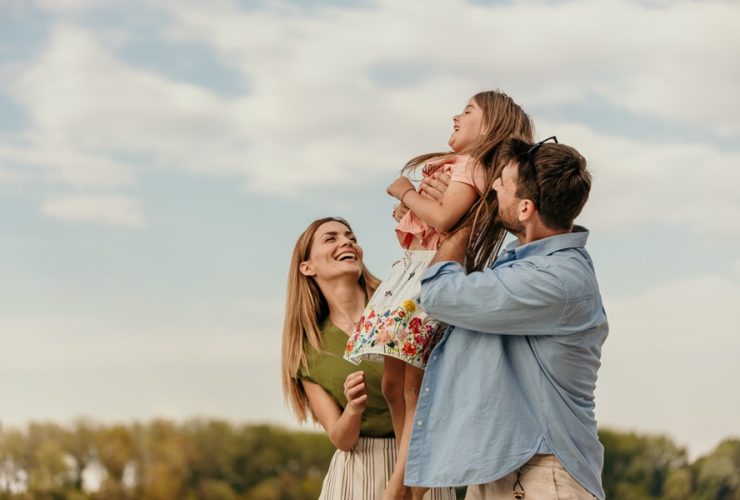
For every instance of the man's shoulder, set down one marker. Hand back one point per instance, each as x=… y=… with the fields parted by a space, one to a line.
x=571 y=266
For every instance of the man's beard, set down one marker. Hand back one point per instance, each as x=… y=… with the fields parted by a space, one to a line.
x=511 y=224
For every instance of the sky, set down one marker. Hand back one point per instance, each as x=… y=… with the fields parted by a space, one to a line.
x=159 y=159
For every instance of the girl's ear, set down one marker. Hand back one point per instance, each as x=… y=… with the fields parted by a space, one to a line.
x=306 y=269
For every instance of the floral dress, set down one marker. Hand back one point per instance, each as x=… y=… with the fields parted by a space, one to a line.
x=393 y=323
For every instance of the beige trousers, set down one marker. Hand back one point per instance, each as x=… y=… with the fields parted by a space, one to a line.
x=542 y=478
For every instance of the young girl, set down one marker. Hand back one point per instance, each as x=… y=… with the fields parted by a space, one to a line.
x=393 y=327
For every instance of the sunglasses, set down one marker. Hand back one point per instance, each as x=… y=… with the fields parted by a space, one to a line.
x=525 y=154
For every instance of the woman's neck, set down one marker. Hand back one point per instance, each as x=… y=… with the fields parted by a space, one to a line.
x=346 y=301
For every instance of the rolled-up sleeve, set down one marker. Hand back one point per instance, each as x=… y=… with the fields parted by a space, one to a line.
x=514 y=299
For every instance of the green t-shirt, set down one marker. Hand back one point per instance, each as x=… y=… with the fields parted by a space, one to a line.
x=329 y=369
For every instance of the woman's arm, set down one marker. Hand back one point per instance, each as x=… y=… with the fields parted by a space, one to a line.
x=342 y=427
x=442 y=214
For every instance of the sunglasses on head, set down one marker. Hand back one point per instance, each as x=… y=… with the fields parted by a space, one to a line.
x=525 y=153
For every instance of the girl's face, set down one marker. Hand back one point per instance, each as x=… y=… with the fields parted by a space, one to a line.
x=334 y=253
x=468 y=127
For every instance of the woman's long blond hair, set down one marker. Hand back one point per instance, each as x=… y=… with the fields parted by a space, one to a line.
x=305 y=309
x=503 y=119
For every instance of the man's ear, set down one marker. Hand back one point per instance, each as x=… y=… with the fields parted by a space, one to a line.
x=525 y=210
x=306 y=269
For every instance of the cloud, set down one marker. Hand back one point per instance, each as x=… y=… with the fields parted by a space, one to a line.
x=339 y=95
x=644 y=183
x=118 y=365
x=77 y=94
x=663 y=365
x=112 y=210
x=568 y=51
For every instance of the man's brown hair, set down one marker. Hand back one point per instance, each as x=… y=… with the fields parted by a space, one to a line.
x=555 y=177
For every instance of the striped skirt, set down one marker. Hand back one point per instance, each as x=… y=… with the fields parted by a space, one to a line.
x=363 y=472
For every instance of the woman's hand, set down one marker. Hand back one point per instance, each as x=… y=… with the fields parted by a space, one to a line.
x=355 y=392
x=399 y=187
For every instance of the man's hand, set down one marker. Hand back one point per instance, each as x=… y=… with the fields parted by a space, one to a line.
x=355 y=392
x=453 y=248
x=436 y=185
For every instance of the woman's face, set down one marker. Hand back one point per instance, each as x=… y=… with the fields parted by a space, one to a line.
x=334 y=253
x=467 y=127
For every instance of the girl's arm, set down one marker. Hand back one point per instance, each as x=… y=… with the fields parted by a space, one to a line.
x=441 y=215
x=342 y=427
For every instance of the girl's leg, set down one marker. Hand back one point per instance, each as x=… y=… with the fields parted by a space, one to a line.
x=392 y=385
x=412 y=384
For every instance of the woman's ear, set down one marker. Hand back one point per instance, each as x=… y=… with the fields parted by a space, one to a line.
x=306 y=269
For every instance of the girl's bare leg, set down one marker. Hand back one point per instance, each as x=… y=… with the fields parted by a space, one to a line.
x=395 y=489
x=393 y=388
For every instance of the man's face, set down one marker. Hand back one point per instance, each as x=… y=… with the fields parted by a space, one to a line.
x=508 y=202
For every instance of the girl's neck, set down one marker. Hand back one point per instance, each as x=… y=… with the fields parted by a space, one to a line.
x=346 y=301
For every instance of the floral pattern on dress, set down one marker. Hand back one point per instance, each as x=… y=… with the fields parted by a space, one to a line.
x=405 y=332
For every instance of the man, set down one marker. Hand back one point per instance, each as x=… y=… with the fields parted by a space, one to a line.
x=507 y=401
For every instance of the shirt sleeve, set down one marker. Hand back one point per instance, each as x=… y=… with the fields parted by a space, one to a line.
x=469 y=172
x=516 y=299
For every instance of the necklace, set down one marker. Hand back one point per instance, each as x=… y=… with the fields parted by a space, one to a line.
x=346 y=322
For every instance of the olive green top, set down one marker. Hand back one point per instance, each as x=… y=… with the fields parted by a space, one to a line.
x=329 y=369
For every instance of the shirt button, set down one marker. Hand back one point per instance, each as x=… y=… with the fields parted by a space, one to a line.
x=426 y=389
x=419 y=423
x=434 y=357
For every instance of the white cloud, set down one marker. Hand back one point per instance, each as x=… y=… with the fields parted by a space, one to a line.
x=317 y=114
x=117 y=364
x=113 y=210
x=670 y=361
x=641 y=183
x=68 y=5
x=80 y=96
x=633 y=54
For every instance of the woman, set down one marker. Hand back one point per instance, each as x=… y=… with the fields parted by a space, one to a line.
x=328 y=287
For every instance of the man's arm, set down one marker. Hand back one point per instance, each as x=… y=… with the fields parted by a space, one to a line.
x=520 y=299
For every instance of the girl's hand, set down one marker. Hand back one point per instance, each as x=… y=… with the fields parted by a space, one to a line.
x=399 y=187
x=355 y=392
x=399 y=211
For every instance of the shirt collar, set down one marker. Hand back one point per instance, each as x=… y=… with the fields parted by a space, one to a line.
x=546 y=246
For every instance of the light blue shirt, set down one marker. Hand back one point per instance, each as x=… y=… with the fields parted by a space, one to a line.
x=515 y=374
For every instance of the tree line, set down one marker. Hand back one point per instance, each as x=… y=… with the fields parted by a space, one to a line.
x=218 y=460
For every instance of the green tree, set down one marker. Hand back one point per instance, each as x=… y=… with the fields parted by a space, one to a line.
x=165 y=456
x=635 y=466
x=718 y=474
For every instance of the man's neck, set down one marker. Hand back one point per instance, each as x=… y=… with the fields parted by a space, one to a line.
x=538 y=231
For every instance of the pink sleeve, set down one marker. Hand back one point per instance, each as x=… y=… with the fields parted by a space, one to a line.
x=467 y=171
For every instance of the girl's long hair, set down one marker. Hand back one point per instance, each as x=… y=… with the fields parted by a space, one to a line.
x=305 y=309
x=503 y=119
